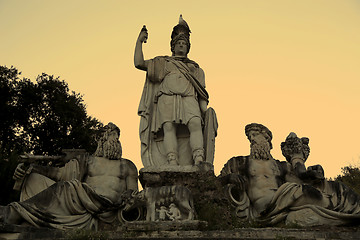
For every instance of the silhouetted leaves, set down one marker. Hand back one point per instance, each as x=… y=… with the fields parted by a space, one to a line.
x=40 y=117
x=350 y=177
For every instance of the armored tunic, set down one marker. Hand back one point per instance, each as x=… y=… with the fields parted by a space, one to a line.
x=172 y=91
x=177 y=100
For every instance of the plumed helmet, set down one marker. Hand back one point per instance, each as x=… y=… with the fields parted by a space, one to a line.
x=180 y=32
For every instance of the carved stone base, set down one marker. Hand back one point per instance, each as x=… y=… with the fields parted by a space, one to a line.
x=171 y=191
x=157 y=176
x=308 y=218
x=165 y=226
x=210 y=202
x=176 y=230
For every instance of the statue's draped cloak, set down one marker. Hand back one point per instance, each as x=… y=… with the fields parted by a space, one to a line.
x=150 y=123
x=69 y=203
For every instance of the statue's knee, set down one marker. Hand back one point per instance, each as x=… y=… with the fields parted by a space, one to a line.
x=169 y=127
x=194 y=124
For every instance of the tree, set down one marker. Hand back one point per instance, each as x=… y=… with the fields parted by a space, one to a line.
x=350 y=176
x=40 y=117
x=8 y=80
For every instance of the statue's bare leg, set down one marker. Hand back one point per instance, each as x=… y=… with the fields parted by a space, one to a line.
x=170 y=143
x=196 y=140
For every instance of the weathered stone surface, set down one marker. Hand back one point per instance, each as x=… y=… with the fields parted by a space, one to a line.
x=210 y=202
x=8 y=232
x=252 y=234
x=307 y=217
x=270 y=192
x=165 y=203
x=157 y=176
x=84 y=192
x=173 y=106
x=183 y=230
x=190 y=225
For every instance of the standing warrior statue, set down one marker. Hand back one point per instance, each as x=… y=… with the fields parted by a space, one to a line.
x=176 y=127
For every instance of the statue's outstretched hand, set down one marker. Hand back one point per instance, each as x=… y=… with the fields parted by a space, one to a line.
x=20 y=172
x=143 y=36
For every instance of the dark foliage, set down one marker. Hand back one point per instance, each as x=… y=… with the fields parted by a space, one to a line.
x=39 y=117
x=350 y=176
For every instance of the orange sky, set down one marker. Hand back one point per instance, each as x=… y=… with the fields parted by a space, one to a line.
x=290 y=65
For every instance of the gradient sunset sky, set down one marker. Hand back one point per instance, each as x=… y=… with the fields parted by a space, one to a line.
x=293 y=66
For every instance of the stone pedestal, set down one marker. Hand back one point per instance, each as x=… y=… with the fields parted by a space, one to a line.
x=193 y=225
x=187 y=230
x=210 y=202
x=168 y=175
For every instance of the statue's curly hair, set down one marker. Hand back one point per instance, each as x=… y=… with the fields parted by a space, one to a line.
x=260 y=128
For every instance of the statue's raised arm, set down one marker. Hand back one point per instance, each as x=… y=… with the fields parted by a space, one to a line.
x=139 y=61
x=176 y=127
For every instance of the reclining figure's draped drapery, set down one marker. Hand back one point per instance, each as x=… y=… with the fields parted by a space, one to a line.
x=344 y=203
x=69 y=203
